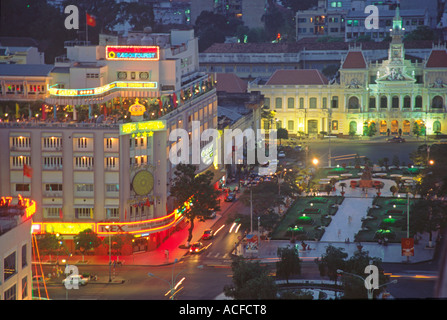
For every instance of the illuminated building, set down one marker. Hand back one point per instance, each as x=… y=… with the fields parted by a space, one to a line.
x=102 y=155
x=16 y=247
x=392 y=93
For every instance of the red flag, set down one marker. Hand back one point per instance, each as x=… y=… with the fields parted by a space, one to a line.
x=27 y=171
x=60 y=213
x=125 y=215
x=174 y=96
x=91 y=20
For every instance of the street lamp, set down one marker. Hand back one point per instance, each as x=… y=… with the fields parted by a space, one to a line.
x=110 y=254
x=369 y=291
x=172 y=288
x=315 y=161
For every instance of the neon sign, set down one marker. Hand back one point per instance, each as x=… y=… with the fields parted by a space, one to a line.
x=28 y=205
x=100 y=90
x=151 y=53
x=143 y=126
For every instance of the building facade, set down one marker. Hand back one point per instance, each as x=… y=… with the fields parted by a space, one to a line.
x=16 y=248
x=99 y=145
x=394 y=94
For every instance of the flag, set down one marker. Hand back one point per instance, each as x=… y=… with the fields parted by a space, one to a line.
x=91 y=20
x=17 y=111
x=27 y=171
x=174 y=97
x=60 y=213
x=125 y=215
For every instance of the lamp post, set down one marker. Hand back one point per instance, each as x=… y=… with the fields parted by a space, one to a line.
x=369 y=291
x=172 y=287
x=110 y=254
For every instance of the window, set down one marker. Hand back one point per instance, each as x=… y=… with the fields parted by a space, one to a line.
x=109 y=143
x=301 y=103
x=407 y=102
x=418 y=102
x=278 y=124
x=52 y=142
x=11 y=293
x=312 y=103
x=267 y=103
x=334 y=102
x=395 y=102
x=52 y=212
x=24 y=256
x=24 y=287
x=334 y=125
x=113 y=213
x=9 y=266
x=22 y=187
x=19 y=161
x=111 y=162
x=325 y=103
x=84 y=213
x=290 y=103
x=53 y=187
x=383 y=102
x=290 y=125
x=278 y=103
x=21 y=142
x=82 y=143
x=52 y=162
x=372 y=102
x=84 y=162
x=266 y=124
x=84 y=187
x=112 y=187
x=353 y=103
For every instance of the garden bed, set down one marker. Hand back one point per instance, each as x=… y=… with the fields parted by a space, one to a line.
x=296 y=224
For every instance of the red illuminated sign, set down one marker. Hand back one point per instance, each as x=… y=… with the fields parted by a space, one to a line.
x=28 y=205
x=132 y=53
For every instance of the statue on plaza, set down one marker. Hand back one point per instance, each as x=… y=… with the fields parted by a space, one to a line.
x=366 y=178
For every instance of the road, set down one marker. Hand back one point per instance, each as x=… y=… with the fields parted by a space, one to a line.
x=373 y=151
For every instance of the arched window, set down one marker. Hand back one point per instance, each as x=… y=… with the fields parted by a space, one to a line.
x=383 y=102
x=407 y=102
x=437 y=102
x=395 y=102
x=372 y=102
x=353 y=103
x=436 y=126
x=418 y=102
x=353 y=126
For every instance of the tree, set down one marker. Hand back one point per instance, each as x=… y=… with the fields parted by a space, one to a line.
x=354 y=288
x=282 y=134
x=48 y=243
x=139 y=15
x=251 y=281
x=421 y=33
x=331 y=261
x=188 y=187
x=330 y=71
x=299 y=5
x=289 y=263
x=396 y=161
x=86 y=240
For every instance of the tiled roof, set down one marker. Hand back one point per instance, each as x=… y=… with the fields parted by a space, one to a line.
x=37 y=70
x=231 y=83
x=297 y=77
x=292 y=47
x=437 y=59
x=354 y=60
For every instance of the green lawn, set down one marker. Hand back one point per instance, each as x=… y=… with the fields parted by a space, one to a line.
x=387 y=219
x=305 y=217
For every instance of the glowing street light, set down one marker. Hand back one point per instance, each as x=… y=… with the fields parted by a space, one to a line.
x=315 y=161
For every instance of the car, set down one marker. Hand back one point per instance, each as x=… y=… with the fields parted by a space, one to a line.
x=396 y=140
x=281 y=154
x=211 y=215
x=39 y=280
x=207 y=234
x=196 y=247
x=76 y=278
x=230 y=197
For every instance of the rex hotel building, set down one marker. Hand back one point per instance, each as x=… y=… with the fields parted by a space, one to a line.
x=96 y=133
